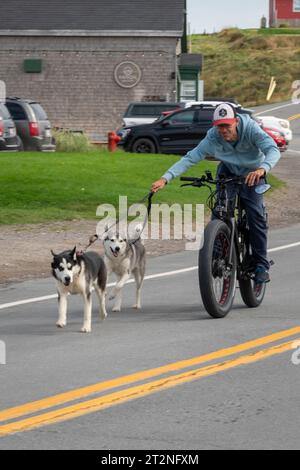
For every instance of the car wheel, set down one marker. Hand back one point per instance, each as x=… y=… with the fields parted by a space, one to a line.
x=144 y=145
x=21 y=145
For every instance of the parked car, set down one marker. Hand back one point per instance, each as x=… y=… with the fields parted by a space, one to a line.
x=278 y=137
x=281 y=125
x=176 y=133
x=8 y=134
x=32 y=123
x=146 y=113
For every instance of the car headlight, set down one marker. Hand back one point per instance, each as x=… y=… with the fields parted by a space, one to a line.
x=123 y=133
x=285 y=124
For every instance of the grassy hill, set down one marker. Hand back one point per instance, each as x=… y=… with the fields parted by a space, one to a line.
x=240 y=63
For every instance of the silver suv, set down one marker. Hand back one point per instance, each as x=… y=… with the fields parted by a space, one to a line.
x=32 y=123
x=147 y=112
x=9 y=140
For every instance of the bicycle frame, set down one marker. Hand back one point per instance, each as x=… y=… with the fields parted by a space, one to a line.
x=231 y=215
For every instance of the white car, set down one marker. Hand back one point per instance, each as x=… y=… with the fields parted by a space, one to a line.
x=216 y=103
x=283 y=125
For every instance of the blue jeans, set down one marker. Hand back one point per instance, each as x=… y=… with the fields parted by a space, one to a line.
x=253 y=204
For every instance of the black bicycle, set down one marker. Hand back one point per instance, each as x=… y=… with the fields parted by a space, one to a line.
x=226 y=255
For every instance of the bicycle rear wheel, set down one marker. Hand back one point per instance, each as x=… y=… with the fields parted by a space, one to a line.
x=252 y=294
x=217 y=280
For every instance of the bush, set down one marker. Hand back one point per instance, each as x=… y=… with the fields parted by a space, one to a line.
x=231 y=34
x=68 y=141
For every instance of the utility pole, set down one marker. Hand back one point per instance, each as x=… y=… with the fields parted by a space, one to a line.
x=184 y=40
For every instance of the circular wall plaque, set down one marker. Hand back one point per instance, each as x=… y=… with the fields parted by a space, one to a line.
x=127 y=74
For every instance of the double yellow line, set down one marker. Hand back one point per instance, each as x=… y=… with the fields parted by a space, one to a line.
x=293 y=118
x=10 y=423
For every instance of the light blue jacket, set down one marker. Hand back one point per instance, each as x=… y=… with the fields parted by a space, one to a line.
x=254 y=149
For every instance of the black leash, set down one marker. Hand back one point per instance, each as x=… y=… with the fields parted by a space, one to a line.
x=96 y=237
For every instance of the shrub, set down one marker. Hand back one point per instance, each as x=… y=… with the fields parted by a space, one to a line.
x=231 y=34
x=68 y=141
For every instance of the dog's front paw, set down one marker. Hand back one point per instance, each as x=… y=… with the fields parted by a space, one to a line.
x=137 y=307
x=86 y=329
x=60 y=324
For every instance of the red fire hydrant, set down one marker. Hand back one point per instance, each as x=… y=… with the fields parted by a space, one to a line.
x=113 y=140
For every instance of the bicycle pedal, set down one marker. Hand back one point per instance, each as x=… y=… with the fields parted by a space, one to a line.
x=272 y=262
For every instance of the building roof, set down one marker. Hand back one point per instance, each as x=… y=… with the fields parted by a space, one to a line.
x=94 y=17
x=191 y=60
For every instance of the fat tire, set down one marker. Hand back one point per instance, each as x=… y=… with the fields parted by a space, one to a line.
x=212 y=306
x=250 y=298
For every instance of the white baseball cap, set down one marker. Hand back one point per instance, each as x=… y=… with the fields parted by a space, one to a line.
x=224 y=114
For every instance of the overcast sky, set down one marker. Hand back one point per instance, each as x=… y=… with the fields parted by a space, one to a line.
x=214 y=15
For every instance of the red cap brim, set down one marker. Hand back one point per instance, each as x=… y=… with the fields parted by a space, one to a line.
x=224 y=121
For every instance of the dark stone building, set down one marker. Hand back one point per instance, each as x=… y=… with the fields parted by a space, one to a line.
x=86 y=60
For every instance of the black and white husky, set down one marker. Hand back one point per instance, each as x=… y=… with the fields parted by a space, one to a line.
x=79 y=274
x=124 y=257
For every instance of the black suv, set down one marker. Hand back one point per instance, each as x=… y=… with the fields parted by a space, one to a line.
x=8 y=134
x=177 y=133
x=32 y=123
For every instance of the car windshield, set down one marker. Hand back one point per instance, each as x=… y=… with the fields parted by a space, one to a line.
x=39 y=112
x=4 y=111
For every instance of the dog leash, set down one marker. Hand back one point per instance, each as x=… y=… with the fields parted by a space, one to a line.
x=96 y=237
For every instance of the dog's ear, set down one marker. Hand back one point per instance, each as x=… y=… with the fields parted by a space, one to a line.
x=105 y=235
x=73 y=254
x=53 y=254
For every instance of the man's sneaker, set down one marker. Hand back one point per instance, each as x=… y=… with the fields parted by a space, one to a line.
x=261 y=275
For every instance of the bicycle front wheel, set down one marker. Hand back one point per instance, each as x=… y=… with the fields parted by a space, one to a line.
x=217 y=279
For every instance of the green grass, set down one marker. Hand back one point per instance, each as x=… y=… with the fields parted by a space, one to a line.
x=39 y=187
x=269 y=31
x=240 y=63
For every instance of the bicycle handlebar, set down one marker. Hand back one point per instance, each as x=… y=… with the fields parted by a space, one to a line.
x=209 y=179
x=191 y=180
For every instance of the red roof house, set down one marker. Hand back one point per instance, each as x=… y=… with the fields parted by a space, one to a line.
x=285 y=12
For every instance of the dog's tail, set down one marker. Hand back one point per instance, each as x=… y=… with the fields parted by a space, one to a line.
x=102 y=276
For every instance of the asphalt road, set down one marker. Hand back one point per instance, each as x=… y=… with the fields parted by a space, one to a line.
x=227 y=395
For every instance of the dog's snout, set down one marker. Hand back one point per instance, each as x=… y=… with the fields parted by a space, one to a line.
x=67 y=279
x=117 y=248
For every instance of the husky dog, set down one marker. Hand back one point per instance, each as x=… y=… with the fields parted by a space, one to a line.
x=79 y=274
x=124 y=257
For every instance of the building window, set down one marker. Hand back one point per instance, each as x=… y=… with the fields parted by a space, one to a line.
x=296 y=5
x=188 y=90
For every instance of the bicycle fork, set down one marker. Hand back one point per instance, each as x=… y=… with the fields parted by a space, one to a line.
x=232 y=240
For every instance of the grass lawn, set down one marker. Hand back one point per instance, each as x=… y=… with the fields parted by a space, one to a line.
x=41 y=187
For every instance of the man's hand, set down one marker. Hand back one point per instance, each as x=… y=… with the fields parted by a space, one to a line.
x=253 y=178
x=158 y=185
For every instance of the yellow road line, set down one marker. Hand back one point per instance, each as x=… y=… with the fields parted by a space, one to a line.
x=293 y=118
x=100 y=403
x=79 y=393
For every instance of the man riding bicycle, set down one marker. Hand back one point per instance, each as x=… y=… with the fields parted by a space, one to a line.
x=243 y=149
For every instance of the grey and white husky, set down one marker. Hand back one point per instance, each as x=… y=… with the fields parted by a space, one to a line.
x=79 y=274
x=124 y=257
